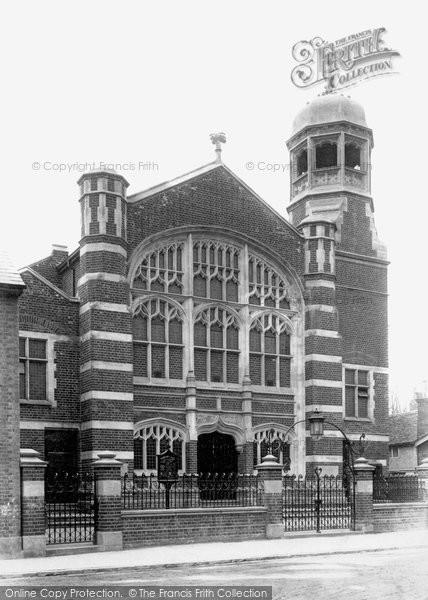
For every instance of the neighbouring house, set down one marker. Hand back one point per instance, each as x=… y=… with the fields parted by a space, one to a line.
x=408 y=432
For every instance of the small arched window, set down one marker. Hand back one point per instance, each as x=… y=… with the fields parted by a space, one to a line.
x=302 y=162
x=326 y=155
x=280 y=446
x=352 y=156
x=154 y=439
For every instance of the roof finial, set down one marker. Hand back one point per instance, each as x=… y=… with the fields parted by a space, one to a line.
x=218 y=139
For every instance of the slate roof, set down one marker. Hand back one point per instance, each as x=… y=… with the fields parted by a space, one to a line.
x=9 y=276
x=403 y=428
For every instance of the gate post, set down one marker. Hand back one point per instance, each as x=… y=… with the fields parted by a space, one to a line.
x=270 y=474
x=108 y=519
x=363 y=495
x=422 y=472
x=33 y=520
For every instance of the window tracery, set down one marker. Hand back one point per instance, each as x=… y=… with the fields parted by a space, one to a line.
x=151 y=440
x=215 y=271
x=269 y=352
x=216 y=339
x=158 y=343
x=161 y=270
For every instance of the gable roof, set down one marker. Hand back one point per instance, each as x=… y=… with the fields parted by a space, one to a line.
x=9 y=276
x=403 y=428
x=167 y=185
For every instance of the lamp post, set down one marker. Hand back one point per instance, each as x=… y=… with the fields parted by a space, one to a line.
x=316 y=430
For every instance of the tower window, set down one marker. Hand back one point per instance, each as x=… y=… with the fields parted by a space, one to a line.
x=357 y=393
x=302 y=162
x=326 y=155
x=352 y=156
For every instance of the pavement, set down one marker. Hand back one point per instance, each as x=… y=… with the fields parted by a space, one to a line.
x=217 y=552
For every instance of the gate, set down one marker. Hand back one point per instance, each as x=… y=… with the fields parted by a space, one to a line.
x=71 y=508
x=318 y=503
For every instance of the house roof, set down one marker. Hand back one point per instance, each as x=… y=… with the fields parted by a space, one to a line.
x=9 y=276
x=403 y=428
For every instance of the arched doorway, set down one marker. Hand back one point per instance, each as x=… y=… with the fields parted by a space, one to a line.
x=217 y=453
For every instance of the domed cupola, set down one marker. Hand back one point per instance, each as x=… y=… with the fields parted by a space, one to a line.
x=330 y=108
x=330 y=151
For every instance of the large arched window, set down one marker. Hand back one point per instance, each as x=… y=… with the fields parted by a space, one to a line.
x=215 y=271
x=153 y=439
x=158 y=343
x=269 y=352
x=215 y=287
x=216 y=346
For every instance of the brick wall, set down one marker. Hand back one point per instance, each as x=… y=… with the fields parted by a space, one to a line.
x=399 y=517
x=175 y=526
x=9 y=423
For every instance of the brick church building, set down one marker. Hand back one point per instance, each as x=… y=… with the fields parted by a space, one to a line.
x=193 y=316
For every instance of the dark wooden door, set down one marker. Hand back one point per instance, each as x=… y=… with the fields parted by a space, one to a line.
x=217 y=453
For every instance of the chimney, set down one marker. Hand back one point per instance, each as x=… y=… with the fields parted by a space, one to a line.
x=59 y=251
x=422 y=427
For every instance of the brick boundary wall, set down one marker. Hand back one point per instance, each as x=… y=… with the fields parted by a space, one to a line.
x=400 y=517
x=185 y=526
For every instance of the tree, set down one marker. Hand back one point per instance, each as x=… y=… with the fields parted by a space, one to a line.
x=395 y=407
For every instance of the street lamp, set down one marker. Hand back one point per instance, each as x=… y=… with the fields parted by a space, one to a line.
x=316 y=430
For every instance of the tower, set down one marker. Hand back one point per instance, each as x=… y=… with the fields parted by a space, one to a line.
x=345 y=273
x=106 y=367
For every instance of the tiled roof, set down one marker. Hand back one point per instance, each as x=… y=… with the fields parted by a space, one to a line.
x=9 y=276
x=403 y=428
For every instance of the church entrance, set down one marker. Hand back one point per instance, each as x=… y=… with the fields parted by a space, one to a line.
x=217 y=453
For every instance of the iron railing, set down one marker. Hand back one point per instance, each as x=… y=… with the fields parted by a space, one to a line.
x=71 y=508
x=318 y=503
x=397 y=488
x=146 y=492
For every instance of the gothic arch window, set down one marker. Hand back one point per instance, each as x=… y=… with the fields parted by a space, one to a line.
x=280 y=446
x=352 y=156
x=158 y=341
x=161 y=270
x=153 y=439
x=266 y=287
x=270 y=352
x=215 y=271
x=216 y=341
x=326 y=155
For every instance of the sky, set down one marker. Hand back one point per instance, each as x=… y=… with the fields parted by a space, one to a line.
x=135 y=82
